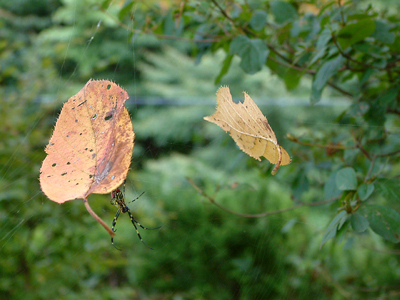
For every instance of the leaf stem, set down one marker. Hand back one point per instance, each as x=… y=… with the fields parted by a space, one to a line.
x=98 y=219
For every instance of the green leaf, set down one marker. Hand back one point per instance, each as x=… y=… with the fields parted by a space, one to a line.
x=341 y=231
x=389 y=97
x=388 y=188
x=326 y=71
x=323 y=38
x=330 y=188
x=396 y=44
x=333 y=226
x=376 y=114
x=292 y=78
x=300 y=183
x=105 y=4
x=359 y=222
x=253 y=53
x=225 y=68
x=355 y=32
x=346 y=179
x=125 y=10
x=384 y=221
x=283 y=11
x=365 y=190
x=258 y=20
x=382 y=32
x=315 y=95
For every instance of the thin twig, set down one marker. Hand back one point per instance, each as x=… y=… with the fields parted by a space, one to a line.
x=353 y=60
x=288 y=64
x=370 y=168
x=341 y=12
x=98 y=219
x=388 y=154
x=329 y=146
x=264 y=214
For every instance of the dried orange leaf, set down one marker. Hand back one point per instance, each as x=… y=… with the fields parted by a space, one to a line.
x=249 y=128
x=91 y=147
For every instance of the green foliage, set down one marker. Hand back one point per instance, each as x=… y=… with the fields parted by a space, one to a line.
x=349 y=48
x=253 y=53
x=383 y=220
x=346 y=179
x=345 y=156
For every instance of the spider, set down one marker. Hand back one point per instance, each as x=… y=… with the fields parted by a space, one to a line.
x=117 y=199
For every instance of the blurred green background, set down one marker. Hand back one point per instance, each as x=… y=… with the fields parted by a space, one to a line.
x=48 y=50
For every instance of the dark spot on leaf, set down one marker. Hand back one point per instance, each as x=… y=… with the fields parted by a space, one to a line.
x=81 y=103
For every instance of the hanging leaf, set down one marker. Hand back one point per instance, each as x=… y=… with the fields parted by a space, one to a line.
x=384 y=220
x=365 y=190
x=334 y=226
x=359 y=222
x=389 y=189
x=249 y=128
x=346 y=179
x=91 y=146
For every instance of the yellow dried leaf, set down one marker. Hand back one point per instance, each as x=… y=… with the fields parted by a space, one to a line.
x=91 y=147
x=249 y=128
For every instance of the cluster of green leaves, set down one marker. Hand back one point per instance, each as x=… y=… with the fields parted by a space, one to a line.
x=351 y=47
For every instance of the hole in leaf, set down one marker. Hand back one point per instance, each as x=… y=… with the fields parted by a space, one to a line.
x=63 y=174
x=53 y=165
x=94 y=116
x=108 y=117
x=108 y=86
x=68 y=163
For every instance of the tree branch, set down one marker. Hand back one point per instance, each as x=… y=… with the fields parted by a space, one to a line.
x=264 y=214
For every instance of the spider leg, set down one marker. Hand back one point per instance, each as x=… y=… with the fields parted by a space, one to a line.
x=115 y=220
x=136 y=198
x=146 y=227
x=137 y=231
x=137 y=221
x=113 y=226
